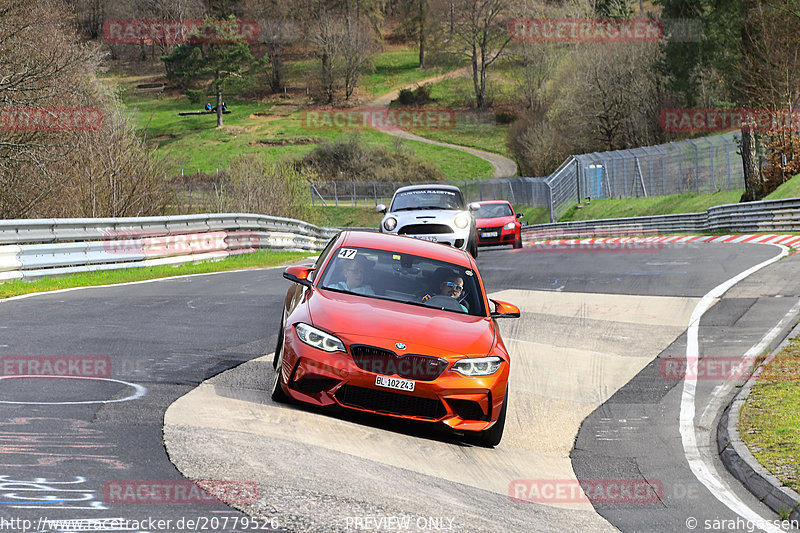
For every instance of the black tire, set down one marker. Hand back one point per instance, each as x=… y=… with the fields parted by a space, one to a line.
x=492 y=436
x=278 y=346
x=277 y=394
x=472 y=248
x=518 y=244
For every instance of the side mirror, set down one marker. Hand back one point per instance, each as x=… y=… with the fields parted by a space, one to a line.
x=380 y=208
x=298 y=274
x=520 y=215
x=474 y=206
x=504 y=310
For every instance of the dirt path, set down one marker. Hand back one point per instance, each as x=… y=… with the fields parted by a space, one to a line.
x=503 y=166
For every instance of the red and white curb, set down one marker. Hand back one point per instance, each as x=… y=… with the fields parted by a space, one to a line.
x=792 y=241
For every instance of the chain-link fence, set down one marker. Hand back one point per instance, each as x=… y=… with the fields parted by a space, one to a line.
x=701 y=165
x=521 y=191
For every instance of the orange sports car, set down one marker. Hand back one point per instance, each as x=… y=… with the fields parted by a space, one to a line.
x=395 y=326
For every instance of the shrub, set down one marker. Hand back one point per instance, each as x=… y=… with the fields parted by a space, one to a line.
x=350 y=159
x=254 y=184
x=414 y=97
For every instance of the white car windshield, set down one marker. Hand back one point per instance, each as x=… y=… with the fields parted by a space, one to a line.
x=427 y=199
x=410 y=279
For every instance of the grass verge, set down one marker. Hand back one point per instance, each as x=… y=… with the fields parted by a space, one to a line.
x=770 y=417
x=660 y=205
x=261 y=259
x=788 y=189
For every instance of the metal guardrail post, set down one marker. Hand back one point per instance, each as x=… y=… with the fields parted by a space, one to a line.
x=696 y=166
x=663 y=169
x=728 y=159
x=711 y=159
x=680 y=166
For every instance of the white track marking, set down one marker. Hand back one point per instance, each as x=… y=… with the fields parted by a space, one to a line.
x=139 y=390
x=701 y=466
x=140 y=282
x=721 y=391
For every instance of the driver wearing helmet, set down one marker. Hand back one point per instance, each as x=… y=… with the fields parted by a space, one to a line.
x=452 y=285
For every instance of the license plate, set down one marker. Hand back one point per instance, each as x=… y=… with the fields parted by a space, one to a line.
x=489 y=234
x=425 y=237
x=394 y=383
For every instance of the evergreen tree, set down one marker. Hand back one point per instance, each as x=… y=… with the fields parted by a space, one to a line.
x=220 y=63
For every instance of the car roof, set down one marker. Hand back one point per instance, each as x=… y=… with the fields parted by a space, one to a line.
x=405 y=245
x=428 y=186
x=487 y=202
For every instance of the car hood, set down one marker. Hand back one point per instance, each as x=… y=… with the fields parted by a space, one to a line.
x=382 y=323
x=493 y=222
x=429 y=216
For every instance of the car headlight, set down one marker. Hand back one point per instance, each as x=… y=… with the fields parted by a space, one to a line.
x=461 y=221
x=390 y=223
x=318 y=339
x=478 y=366
x=510 y=225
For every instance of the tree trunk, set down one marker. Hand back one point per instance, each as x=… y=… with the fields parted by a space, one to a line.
x=421 y=33
x=219 y=105
x=752 y=180
x=475 y=74
x=276 y=60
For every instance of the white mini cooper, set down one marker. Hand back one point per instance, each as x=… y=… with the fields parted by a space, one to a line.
x=435 y=213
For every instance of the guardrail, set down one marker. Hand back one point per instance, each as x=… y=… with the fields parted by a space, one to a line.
x=43 y=247
x=751 y=217
x=46 y=247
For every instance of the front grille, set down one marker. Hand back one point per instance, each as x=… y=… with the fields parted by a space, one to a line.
x=468 y=410
x=424 y=229
x=390 y=402
x=481 y=231
x=411 y=366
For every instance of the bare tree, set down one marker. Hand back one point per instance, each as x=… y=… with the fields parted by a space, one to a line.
x=770 y=70
x=42 y=170
x=609 y=95
x=277 y=33
x=481 y=32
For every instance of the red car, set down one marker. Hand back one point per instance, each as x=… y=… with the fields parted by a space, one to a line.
x=395 y=326
x=497 y=223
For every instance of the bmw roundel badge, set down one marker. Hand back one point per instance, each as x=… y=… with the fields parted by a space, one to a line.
x=400 y=346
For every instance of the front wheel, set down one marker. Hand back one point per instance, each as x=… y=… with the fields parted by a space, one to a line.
x=472 y=248
x=518 y=243
x=277 y=394
x=492 y=436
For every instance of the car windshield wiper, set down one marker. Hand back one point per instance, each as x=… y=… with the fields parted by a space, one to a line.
x=344 y=291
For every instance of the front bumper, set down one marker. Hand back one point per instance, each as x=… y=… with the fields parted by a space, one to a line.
x=324 y=379
x=457 y=239
x=502 y=236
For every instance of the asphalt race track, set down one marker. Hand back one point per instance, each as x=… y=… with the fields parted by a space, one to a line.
x=592 y=399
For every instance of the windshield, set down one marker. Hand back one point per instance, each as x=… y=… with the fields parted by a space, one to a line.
x=427 y=199
x=404 y=278
x=493 y=211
